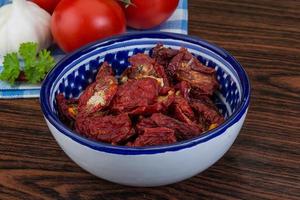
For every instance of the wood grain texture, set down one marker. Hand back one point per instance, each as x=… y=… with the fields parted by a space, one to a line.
x=263 y=163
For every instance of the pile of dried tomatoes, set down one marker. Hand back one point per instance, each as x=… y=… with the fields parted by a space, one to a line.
x=158 y=100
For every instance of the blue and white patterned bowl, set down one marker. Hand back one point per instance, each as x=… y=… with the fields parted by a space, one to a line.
x=147 y=166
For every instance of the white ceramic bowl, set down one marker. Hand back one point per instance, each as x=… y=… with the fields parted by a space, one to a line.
x=147 y=166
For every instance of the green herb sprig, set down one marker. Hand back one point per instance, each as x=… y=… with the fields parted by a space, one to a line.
x=36 y=64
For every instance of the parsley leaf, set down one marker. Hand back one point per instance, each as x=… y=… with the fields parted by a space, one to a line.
x=11 y=68
x=46 y=61
x=28 y=51
x=36 y=64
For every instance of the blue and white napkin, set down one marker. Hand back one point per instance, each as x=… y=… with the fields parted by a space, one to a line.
x=177 y=23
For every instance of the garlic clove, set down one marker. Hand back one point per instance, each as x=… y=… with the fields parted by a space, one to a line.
x=23 y=21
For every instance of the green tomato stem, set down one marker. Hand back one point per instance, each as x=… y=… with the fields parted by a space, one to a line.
x=127 y=3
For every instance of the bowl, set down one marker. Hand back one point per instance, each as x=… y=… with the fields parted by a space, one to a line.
x=146 y=166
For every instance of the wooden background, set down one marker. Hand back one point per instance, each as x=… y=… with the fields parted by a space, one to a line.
x=263 y=163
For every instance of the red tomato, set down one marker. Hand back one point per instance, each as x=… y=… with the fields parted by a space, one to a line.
x=144 y=14
x=75 y=23
x=48 y=5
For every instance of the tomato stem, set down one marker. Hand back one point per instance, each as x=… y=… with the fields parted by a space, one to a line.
x=127 y=3
x=22 y=77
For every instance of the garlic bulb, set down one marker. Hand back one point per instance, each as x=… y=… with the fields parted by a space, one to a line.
x=23 y=21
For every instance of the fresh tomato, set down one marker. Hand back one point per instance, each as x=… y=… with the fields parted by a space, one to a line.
x=48 y=5
x=75 y=23
x=145 y=14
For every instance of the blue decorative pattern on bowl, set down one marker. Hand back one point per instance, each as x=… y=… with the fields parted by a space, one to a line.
x=72 y=75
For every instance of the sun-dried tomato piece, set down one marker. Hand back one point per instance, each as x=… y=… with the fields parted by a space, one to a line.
x=184 y=88
x=135 y=95
x=67 y=108
x=105 y=70
x=185 y=67
x=154 y=136
x=164 y=100
x=196 y=93
x=161 y=104
x=145 y=123
x=185 y=59
x=142 y=97
x=163 y=91
x=207 y=112
x=83 y=121
x=163 y=55
x=160 y=72
x=206 y=84
x=111 y=129
x=99 y=94
x=182 y=130
x=143 y=66
x=182 y=110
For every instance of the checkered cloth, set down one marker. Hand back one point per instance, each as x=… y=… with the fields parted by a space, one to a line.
x=178 y=23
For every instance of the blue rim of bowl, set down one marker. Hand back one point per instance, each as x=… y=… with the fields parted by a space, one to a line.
x=124 y=150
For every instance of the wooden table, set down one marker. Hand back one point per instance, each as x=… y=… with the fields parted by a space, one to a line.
x=263 y=163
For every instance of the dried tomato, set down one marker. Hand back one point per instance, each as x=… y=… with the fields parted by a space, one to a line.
x=135 y=95
x=162 y=102
x=184 y=88
x=185 y=67
x=203 y=83
x=163 y=55
x=110 y=129
x=145 y=123
x=185 y=60
x=207 y=112
x=99 y=94
x=182 y=110
x=154 y=136
x=105 y=70
x=182 y=130
x=143 y=66
x=160 y=71
x=67 y=108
